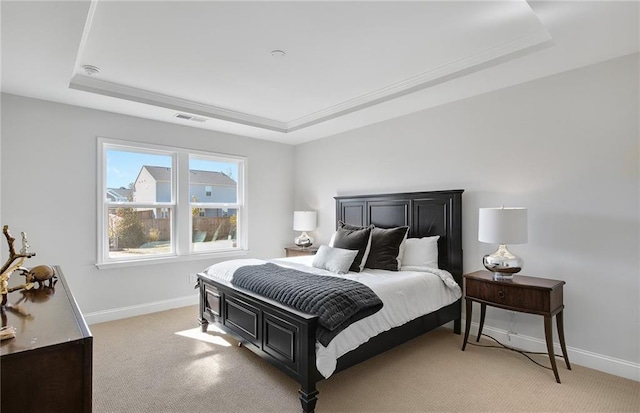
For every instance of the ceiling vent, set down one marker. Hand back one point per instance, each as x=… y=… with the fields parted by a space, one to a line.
x=189 y=117
x=91 y=70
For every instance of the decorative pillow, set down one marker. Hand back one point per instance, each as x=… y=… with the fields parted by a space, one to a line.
x=336 y=260
x=421 y=252
x=354 y=238
x=385 y=248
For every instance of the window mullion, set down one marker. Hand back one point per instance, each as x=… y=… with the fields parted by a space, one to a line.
x=183 y=210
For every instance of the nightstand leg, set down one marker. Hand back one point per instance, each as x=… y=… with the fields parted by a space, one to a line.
x=467 y=324
x=560 y=325
x=483 y=312
x=548 y=333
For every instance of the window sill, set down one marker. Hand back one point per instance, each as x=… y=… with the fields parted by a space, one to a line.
x=171 y=259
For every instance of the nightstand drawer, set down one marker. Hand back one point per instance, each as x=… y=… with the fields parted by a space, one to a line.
x=298 y=252
x=509 y=297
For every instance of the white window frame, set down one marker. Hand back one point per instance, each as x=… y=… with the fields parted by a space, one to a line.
x=180 y=205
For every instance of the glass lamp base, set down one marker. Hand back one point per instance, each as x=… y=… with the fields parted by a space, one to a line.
x=303 y=241
x=503 y=264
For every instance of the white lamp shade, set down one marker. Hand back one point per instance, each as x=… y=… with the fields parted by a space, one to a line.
x=502 y=225
x=304 y=220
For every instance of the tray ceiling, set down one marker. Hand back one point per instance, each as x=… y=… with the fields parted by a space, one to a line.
x=344 y=64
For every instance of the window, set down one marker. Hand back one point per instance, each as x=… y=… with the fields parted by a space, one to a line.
x=214 y=223
x=160 y=202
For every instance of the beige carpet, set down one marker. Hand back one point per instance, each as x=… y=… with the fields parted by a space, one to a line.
x=141 y=364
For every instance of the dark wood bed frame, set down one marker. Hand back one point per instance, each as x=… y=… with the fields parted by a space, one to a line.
x=286 y=337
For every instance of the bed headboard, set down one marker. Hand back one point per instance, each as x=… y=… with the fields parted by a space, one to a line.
x=426 y=214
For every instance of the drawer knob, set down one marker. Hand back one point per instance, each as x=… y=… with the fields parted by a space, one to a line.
x=501 y=294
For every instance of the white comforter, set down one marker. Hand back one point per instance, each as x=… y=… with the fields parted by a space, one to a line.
x=406 y=295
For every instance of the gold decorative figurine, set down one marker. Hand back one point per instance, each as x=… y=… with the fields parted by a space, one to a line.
x=14 y=262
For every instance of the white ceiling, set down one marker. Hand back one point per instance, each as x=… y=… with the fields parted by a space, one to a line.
x=346 y=64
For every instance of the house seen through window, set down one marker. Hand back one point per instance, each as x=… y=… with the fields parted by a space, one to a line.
x=144 y=215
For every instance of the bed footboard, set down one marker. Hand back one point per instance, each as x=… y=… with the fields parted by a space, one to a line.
x=282 y=336
x=286 y=338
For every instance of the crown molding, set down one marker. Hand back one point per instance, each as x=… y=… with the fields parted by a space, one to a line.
x=102 y=87
x=482 y=60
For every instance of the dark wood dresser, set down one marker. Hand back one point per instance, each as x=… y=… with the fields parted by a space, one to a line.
x=47 y=367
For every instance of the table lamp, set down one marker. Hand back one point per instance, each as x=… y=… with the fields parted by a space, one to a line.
x=304 y=221
x=502 y=226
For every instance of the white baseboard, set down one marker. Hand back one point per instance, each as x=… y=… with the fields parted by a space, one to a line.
x=135 y=310
x=611 y=365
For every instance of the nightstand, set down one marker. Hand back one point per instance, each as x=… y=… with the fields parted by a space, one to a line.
x=295 y=251
x=524 y=294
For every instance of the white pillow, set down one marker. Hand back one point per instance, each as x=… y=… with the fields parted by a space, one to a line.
x=336 y=260
x=421 y=252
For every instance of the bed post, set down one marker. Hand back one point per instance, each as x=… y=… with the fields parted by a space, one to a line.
x=204 y=323
x=456 y=250
x=457 y=326
x=308 y=400
x=308 y=372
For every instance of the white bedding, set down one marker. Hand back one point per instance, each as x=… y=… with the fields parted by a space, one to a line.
x=406 y=294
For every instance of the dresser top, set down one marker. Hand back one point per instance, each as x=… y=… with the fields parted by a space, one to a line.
x=41 y=317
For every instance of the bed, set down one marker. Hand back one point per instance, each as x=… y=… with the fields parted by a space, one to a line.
x=287 y=338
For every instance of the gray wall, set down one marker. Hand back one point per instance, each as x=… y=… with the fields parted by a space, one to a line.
x=49 y=191
x=565 y=146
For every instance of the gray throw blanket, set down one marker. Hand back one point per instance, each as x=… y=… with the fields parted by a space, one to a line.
x=337 y=302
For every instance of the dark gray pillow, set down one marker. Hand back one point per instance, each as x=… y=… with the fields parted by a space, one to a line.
x=385 y=248
x=350 y=237
x=336 y=260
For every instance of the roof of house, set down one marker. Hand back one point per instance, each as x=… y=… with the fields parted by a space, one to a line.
x=163 y=174
x=124 y=193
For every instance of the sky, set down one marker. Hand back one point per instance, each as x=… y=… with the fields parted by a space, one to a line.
x=123 y=167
